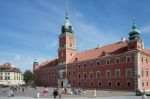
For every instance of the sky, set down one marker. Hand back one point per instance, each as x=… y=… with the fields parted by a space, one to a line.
x=29 y=29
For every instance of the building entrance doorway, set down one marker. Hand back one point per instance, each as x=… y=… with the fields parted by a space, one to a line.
x=62 y=83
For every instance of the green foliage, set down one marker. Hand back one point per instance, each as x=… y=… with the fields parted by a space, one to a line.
x=28 y=77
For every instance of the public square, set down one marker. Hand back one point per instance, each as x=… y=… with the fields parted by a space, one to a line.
x=30 y=93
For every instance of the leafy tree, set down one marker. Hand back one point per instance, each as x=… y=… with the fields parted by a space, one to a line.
x=28 y=77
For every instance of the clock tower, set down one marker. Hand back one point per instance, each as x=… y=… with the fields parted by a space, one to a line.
x=67 y=42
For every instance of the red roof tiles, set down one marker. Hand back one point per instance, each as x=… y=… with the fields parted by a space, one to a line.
x=115 y=48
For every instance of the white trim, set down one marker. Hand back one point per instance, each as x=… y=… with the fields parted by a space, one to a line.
x=116 y=74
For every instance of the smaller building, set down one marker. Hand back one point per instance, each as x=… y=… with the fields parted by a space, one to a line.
x=10 y=76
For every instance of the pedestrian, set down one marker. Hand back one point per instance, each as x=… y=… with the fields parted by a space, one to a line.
x=84 y=91
x=55 y=93
x=11 y=93
x=79 y=91
x=144 y=95
x=4 y=90
x=45 y=91
x=94 y=93
x=22 y=89
x=59 y=93
x=37 y=93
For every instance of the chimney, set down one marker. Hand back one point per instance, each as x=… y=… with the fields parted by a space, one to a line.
x=98 y=46
x=122 y=39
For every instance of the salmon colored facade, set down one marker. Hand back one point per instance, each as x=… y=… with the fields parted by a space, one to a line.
x=124 y=65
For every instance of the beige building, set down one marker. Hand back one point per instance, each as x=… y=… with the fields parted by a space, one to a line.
x=9 y=75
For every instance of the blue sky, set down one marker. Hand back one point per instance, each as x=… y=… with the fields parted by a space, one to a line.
x=29 y=29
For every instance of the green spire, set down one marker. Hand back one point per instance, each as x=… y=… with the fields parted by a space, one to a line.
x=66 y=6
x=134 y=25
x=67 y=27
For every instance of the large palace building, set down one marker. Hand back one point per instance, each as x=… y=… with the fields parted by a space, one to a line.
x=124 y=65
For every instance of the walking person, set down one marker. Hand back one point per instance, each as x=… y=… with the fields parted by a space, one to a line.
x=55 y=93
x=144 y=95
x=94 y=93
x=11 y=92
x=59 y=93
x=4 y=90
x=37 y=93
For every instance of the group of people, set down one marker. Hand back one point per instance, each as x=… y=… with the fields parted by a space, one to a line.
x=59 y=91
x=11 y=90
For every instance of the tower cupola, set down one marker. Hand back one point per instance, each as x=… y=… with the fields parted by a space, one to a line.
x=67 y=27
x=134 y=34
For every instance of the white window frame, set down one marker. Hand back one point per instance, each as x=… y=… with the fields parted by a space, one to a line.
x=99 y=74
x=109 y=74
x=127 y=72
x=116 y=73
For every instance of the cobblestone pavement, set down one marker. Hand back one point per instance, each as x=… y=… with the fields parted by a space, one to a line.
x=30 y=93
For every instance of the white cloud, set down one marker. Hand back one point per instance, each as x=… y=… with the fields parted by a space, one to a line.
x=19 y=61
x=145 y=29
x=52 y=45
x=90 y=35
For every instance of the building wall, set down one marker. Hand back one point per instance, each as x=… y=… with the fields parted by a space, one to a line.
x=144 y=69
x=103 y=67
x=11 y=78
x=49 y=75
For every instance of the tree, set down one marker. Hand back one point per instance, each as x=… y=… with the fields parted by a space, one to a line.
x=28 y=77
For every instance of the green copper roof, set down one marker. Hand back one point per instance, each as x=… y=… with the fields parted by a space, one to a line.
x=134 y=33
x=67 y=27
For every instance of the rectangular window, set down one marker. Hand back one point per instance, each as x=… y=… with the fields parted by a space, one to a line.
x=142 y=73
x=117 y=60
x=143 y=84
x=79 y=75
x=98 y=63
x=91 y=64
x=107 y=61
x=117 y=72
x=98 y=74
x=108 y=74
x=72 y=72
x=91 y=75
x=142 y=60
x=84 y=75
x=128 y=72
x=146 y=73
x=109 y=84
x=128 y=59
x=146 y=60
x=118 y=83
x=84 y=65
x=99 y=83
x=78 y=65
x=128 y=83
